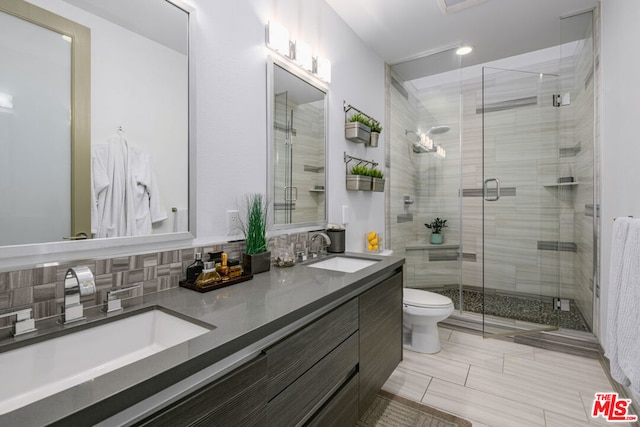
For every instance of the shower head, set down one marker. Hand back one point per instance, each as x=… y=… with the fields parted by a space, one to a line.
x=437 y=130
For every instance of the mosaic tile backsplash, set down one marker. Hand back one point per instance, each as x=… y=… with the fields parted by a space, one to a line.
x=42 y=288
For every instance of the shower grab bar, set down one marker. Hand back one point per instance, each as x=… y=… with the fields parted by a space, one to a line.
x=486 y=190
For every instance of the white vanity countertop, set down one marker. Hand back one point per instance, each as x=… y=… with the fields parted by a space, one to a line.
x=247 y=317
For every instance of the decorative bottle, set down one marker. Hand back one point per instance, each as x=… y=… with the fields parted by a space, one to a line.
x=194 y=270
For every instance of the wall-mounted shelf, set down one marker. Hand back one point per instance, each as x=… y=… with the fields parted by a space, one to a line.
x=357 y=131
x=316 y=190
x=315 y=169
x=563 y=184
x=348 y=159
x=362 y=182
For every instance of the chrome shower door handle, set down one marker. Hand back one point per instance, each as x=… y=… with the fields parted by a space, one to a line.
x=292 y=193
x=486 y=189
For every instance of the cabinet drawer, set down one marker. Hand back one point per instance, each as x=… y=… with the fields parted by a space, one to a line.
x=293 y=356
x=311 y=390
x=237 y=399
x=342 y=409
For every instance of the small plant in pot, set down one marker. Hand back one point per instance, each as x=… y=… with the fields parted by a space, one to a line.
x=256 y=258
x=359 y=178
x=377 y=178
x=436 y=227
x=357 y=129
x=375 y=132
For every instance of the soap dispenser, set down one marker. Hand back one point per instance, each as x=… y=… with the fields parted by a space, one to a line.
x=194 y=270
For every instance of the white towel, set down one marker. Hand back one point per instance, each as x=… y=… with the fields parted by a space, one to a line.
x=623 y=319
x=181 y=220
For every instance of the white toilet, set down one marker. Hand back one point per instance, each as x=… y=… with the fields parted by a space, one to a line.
x=422 y=310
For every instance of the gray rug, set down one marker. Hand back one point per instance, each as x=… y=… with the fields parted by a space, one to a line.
x=389 y=410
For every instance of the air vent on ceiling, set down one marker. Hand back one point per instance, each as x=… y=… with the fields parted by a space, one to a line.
x=452 y=6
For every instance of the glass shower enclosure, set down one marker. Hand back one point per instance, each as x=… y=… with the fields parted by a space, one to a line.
x=518 y=184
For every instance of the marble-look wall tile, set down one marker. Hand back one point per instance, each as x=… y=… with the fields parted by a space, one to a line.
x=42 y=288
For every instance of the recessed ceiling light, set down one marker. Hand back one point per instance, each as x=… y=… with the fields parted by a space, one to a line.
x=464 y=50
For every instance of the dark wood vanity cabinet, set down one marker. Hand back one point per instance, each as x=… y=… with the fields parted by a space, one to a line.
x=325 y=374
x=380 y=337
x=307 y=368
x=237 y=399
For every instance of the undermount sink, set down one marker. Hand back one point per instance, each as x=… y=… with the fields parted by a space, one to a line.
x=343 y=264
x=35 y=371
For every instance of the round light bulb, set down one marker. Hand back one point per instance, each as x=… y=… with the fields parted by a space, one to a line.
x=464 y=50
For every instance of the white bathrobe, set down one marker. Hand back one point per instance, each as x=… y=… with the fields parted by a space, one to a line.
x=125 y=190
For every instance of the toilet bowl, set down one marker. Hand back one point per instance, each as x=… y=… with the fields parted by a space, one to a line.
x=422 y=310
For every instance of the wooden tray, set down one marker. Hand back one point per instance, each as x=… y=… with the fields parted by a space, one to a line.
x=218 y=285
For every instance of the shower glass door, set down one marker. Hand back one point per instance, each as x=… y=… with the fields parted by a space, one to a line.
x=521 y=201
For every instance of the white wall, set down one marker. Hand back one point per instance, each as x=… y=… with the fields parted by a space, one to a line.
x=231 y=107
x=620 y=147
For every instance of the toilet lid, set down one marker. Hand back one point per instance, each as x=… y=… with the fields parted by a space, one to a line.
x=422 y=298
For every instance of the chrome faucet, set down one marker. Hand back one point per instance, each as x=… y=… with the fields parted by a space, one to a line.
x=24 y=321
x=78 y=282
x=327 y=242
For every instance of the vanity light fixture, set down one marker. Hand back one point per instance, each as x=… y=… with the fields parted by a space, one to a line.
x=304 y=58
x=277 y=38
x=323 y=68
x=464 y=50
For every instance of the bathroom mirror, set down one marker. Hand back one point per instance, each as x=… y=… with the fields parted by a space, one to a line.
x=297 y=130
x=135 y=86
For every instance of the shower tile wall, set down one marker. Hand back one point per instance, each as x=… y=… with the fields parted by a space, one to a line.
x=527 y=215
x=432 y=188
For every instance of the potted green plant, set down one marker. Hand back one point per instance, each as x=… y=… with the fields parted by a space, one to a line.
x=377 y=179
x=375 y=132
x=359 y=178
x=256 y=258
x=357 y=128
x=436 y=227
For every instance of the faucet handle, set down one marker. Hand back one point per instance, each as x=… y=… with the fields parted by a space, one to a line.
x=24 y=321
x=113 y=303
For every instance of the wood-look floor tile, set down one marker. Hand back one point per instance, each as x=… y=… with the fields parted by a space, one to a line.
x=562 y=359
x=482 y=407
x=434 y=366
x=409 y=384
x=473 y=356
x=576 y=379
x=538 y=393
x=554 y=419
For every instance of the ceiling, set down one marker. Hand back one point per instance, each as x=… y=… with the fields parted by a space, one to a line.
x=402 y=30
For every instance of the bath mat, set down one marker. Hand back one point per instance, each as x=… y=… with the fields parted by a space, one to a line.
x=389 y=410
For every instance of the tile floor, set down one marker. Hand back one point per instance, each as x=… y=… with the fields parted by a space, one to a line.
x=498 y=383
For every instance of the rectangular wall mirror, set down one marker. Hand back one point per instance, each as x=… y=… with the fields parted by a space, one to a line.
x=126 y=67
x=297 y=131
